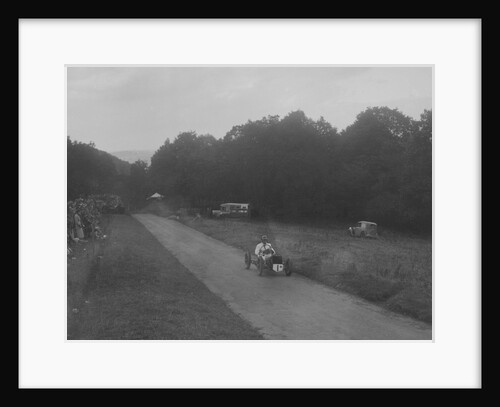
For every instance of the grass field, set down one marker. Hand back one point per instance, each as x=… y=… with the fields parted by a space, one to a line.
x=131 y=287
x=394 y=271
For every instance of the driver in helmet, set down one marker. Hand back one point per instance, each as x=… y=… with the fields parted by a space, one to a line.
x=264 y=248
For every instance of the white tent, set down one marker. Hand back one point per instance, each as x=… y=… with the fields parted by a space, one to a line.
x=156 y=195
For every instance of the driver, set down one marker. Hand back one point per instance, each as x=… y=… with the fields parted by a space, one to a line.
x=264 y=248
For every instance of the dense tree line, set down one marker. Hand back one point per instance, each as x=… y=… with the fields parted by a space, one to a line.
x=379 y=168
x=92 y=171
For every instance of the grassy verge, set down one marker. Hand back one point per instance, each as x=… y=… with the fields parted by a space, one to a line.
x=394 y=271
x=82 y=264
x=138 y=290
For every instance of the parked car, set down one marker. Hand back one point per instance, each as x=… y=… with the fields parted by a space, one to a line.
x=364 y=229
x=232 y=210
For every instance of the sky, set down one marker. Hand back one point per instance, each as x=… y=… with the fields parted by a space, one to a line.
x=137 y=108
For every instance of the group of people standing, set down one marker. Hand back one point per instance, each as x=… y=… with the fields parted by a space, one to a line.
x=82 y=220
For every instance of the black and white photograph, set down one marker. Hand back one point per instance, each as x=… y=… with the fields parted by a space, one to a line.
x=249 y=202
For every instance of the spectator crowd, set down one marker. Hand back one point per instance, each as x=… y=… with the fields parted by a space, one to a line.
x=83 y=217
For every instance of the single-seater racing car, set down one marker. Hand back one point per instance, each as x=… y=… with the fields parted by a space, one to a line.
x=273 y=263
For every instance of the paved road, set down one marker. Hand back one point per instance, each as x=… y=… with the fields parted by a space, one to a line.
x=280 y=307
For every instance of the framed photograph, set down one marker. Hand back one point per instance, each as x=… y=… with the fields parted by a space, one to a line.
x=239 y=213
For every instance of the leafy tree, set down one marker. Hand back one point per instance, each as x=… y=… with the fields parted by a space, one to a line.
x=379 y=167
x=138 y=183
x=88 y=171
x=416 y=176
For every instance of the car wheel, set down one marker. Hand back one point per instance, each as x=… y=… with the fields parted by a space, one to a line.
x=247 y=260
x=287 y=267
x=363 y=234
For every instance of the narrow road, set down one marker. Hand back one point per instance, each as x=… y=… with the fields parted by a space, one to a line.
x=280 y=307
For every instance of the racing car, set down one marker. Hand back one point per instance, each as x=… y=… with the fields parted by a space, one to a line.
x=273 y=263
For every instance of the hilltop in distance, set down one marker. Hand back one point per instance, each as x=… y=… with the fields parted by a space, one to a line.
x=132 y=156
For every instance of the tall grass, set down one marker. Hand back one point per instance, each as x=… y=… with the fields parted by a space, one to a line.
x=394 y=270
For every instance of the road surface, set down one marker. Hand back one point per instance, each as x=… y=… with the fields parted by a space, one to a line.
x=281 y=307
